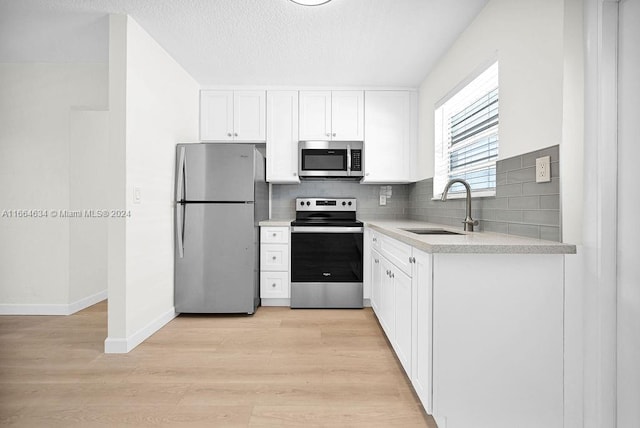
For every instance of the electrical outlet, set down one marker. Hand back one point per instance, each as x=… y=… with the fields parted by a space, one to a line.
x=383 y=200
x=543 y=169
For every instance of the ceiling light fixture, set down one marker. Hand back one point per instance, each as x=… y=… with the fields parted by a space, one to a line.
x=310 y=2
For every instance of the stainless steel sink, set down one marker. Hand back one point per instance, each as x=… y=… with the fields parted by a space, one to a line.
x=432 y=232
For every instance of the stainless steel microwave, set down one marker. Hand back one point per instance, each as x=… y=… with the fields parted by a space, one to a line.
x=330 y=159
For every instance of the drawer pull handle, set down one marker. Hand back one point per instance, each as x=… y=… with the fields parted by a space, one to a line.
x=273 y=285
x=274 y=257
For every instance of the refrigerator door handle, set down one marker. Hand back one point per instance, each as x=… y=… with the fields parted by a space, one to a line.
x=180 y=212
x=180 y=179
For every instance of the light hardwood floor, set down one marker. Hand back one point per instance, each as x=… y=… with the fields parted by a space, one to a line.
x=280 y=367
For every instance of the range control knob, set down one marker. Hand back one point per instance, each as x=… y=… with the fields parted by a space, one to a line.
x=344 y=203
x=308 y=203
x=302 y=203
x=349 y=203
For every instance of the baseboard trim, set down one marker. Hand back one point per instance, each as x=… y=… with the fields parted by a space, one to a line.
x=287 y=302
x=52 y=309
x=81 y=304
x=114 y=345
x=275 y=302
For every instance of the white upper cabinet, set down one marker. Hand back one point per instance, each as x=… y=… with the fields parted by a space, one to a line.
x=216 y=115
x=332 y=115
x=391 y=130
x=282 y=137
x=249 y=115
x=232 y=116
x=315 y=115
x=347 y=115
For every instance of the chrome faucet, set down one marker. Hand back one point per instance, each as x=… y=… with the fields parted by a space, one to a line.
x=468 y=222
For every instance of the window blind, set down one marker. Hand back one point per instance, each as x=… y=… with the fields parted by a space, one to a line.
x=466 y=143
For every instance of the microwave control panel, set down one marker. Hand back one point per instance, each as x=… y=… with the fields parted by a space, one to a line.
x=356 y=160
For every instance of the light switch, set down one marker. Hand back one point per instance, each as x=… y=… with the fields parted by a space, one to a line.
x=137 y=195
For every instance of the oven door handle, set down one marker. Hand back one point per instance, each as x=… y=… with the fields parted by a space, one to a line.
x=325 y=229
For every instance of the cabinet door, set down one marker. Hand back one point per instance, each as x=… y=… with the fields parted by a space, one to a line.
x=282 y=137
x=403 y=313
x=249 y=116
x=387 y=156
x=216 y=115
x=315 y=115
x=376 y=282
x=387 y=299
x=347 y=115
x=422 y=329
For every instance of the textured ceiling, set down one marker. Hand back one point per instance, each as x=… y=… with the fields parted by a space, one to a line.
x=252 y=42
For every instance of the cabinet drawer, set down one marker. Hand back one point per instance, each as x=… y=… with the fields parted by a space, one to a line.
x=274 y=235
x=396 y=252
x=274 y=285
x=274 y=257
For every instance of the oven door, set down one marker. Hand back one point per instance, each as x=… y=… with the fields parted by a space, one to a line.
x=326 y=254
x=326 y=267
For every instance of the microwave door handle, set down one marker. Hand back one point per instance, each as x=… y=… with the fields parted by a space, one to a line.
x=348 y=159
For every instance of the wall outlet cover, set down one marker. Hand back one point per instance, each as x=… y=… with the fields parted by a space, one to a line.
x=543 y=169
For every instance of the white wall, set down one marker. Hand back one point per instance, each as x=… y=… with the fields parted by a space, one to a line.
x=527 y=38
x=36 y=108
x=156 y=106
x=628 y=359
x=598 y=275
x=571 y=191
x=88 y=148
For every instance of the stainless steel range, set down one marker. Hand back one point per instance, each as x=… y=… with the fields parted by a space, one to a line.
x=326 y=254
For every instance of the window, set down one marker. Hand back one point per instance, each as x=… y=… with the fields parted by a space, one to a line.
x=466 y=137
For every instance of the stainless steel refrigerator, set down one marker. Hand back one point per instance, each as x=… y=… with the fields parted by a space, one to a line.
x=221 y=195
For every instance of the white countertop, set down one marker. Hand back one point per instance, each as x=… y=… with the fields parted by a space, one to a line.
x=276 y=222
x=468 y=242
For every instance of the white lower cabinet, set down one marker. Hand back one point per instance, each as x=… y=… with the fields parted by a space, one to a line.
x=403 y=318
x=387 y=300
x=498 y=340
x=422 y=303
x=376 y=280
x=392 y=291
x=480 y=336
x=275 y=276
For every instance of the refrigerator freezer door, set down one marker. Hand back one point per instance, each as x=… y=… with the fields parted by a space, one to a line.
x=217 y=172
x=218 y=271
